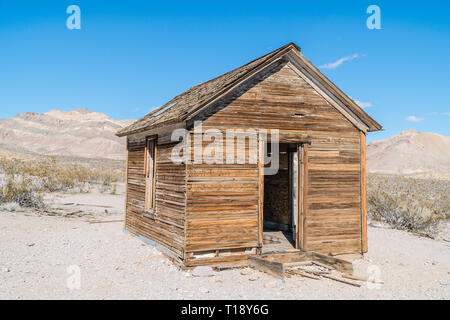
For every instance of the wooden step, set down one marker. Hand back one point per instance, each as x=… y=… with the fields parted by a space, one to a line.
x=275 y=264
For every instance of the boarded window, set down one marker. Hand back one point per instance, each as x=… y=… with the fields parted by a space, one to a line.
x=150 y=173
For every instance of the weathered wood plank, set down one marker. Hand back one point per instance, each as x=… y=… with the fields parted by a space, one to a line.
x=363 y=193
x=338 y=264
x=273 y=268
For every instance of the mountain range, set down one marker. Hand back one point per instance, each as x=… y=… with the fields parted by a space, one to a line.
x=411 y=153
x=83 y=133
x=77 y=133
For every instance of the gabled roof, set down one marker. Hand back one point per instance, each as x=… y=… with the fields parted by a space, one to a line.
x=191 y=101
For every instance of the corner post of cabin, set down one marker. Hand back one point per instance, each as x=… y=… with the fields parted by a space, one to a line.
x=364 y=246
x=126 y=184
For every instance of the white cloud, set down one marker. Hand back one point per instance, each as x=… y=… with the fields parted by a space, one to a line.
x=363 y=104
x=334 y=65
x=414 y=119
x=447 y=114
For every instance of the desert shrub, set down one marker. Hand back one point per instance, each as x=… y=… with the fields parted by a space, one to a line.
x=23 y=181
x=21 y=191
x=415 y=205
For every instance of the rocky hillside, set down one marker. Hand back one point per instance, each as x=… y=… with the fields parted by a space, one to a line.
x=88 y=134
x=411 y=153
x=77 y=133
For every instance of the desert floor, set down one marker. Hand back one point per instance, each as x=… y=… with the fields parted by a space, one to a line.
x=40 y=257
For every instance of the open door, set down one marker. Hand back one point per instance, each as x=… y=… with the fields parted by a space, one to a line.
x=281 y=201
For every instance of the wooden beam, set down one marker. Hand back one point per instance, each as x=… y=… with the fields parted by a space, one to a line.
x=155 y=148
x=363 y=194
x=103 y=221
x=297 y=264
x=335 y=279
x=126 y=187
x=160 y=129
x=273 y=268
x=167 y=139
x=291 y=137
x=338 y=264
x=303 y=274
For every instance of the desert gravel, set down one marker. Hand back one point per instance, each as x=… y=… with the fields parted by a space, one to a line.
x=41 y=255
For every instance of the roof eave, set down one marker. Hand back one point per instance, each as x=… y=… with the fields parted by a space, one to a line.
x=154 y=128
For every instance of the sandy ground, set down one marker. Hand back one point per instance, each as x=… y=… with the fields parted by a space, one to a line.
x=42 y=256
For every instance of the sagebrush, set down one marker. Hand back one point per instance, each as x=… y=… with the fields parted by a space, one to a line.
x=24 y=181
x=411 y=204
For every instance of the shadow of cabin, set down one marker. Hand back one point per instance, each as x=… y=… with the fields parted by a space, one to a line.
x=209 y=213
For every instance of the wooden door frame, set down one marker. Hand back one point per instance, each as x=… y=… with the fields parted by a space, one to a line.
x=260 y=194
x=302 y=190
x=302 y=196
x=150 y=189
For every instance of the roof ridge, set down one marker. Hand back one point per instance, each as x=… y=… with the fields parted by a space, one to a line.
x=267 y=54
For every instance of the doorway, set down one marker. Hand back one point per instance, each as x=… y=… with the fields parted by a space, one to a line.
x=280 y=208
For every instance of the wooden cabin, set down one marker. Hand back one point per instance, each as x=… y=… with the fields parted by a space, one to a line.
x=208 y=213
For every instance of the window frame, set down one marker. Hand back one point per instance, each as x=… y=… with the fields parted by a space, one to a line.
x=149 y=202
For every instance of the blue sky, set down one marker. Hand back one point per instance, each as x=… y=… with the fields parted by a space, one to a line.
x=132 y=56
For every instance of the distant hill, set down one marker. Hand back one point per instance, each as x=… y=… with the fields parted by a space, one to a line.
x=77 y=133
x=411 y=153
x=87 y=134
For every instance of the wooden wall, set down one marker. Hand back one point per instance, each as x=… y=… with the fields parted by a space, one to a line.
x=212 y=209
x=222 y=202
x=165 y=225
x=283 y=101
